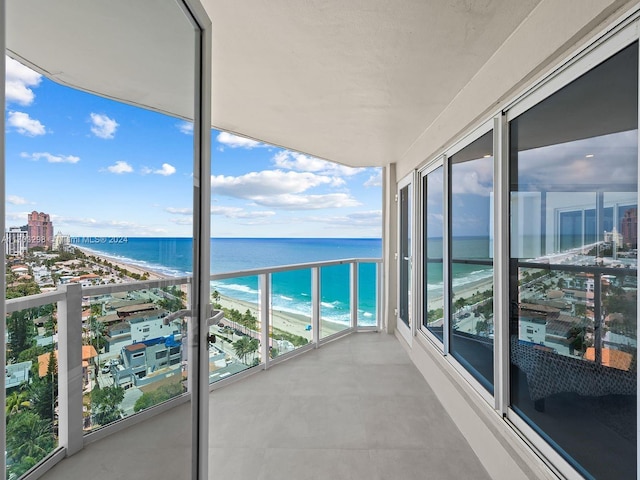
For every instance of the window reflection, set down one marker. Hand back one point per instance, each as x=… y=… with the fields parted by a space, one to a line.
x=471 y=340
x=433 y=252
x=573 y=329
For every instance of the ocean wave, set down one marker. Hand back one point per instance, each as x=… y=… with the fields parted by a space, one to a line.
x=152 y=267
x=237 y=287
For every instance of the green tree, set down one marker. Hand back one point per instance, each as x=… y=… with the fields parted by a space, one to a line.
x=162 y=394
x=44 y=391
x=105 y=404
x=97 y=332
x=21 y=333
x=29 y=440
x=16 y=402
x=31 y=354
x=216 y=299
x=22 y=289
x=241 y=348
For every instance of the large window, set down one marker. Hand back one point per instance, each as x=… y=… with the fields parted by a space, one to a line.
x=573 y=274
x=471 y=324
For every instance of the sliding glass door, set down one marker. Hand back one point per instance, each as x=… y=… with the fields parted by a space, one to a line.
x=573 y=273
x=471 y=260
x=405 y=200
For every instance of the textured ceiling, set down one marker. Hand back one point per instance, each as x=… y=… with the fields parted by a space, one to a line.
x=355 y=82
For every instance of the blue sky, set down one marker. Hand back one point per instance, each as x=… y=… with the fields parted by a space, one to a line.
x=102 y=168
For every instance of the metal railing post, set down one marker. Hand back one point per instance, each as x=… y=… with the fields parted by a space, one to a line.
x=70 y=369
x=353 y=293
x=315 y=305
x=264 y=315
x=379 y=295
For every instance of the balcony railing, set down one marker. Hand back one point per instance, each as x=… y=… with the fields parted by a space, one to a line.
x=116 y=369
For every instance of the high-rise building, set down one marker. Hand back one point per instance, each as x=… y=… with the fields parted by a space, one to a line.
x=629 y=227
x=40 y=230
x=61 y=241
x=15 y=241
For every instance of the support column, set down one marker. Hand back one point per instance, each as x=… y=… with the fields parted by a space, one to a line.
x=70 y=369
x=389 y=248
x=353 y=293
x=315 y=306
x=264 y=314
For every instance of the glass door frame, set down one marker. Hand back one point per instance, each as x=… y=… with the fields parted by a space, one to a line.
x=407 y=331
x=613 y=42
x=494 y=125
x=421 y=245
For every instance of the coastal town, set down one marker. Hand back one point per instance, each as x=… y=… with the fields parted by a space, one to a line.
x=134 y=342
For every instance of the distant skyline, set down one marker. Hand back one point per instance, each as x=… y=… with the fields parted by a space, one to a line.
x=103 y=168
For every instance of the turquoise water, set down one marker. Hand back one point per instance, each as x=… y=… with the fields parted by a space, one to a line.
x=290 y=290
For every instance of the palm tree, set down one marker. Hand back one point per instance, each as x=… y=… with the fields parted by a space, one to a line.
x=16 y=402
x=253 y=346
x=29 y=439
x=241 y=348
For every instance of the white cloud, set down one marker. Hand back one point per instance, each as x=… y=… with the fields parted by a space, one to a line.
x=307 y=202
x=473 y=178
x=120 y=167
x=25 y=125
x=103 y=126
x=278 y=189
x=235 y=141
x=16 y=200
x=51 y=158
x=106 y=226
x=185 y=127
x=555 y=167
x=370 y=218
x=17 y=82
x=304 y=163
x=166 y=170
x=267 y=182
x=181 y=221
x=18 y=217
x=374 y=180
x=237 y=212
x=179 y=211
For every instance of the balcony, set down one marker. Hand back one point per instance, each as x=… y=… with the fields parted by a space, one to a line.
x=345 y=410
x=343 y=404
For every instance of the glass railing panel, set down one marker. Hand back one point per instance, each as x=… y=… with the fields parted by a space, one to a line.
x=335 y=303
x=134 y=352
x=471 y=341
x=237 y=336
x=367 y=294
x=31 y=377
x=291 y=325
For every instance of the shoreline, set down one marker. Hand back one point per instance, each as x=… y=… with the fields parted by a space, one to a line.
x=465 y=290
x=293 y=323
x=123 y=265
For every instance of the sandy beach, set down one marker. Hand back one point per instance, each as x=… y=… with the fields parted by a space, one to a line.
x=289 y=322
x=462 y=291
x=125 y=266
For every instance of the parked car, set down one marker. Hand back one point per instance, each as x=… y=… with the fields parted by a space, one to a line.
x=106 y=368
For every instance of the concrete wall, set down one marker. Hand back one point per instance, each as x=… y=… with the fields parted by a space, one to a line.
x=553 y=32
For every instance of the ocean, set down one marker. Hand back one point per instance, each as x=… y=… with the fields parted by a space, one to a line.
x=291 y=291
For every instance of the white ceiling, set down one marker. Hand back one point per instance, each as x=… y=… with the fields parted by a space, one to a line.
x=353 y=81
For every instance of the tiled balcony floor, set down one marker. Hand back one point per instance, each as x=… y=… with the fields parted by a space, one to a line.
x=356 y=408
